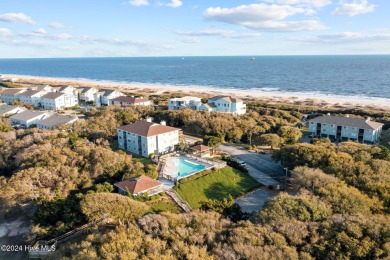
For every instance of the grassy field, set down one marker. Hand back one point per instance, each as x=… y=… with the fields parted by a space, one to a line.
x=145 y=161
x=163 y=204
x=217 y=184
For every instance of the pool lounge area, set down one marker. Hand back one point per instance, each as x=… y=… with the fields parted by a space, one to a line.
x=178 y=167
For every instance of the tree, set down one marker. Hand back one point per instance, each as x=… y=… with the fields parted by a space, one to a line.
x=272 y=140
x=151 y=171
x=290 y=135
x=213 y=141
x=104 y=187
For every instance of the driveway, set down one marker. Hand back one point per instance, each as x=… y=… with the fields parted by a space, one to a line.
x=260 y=166
x=255 y=200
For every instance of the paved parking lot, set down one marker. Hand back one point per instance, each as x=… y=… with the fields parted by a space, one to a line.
x=262 y=168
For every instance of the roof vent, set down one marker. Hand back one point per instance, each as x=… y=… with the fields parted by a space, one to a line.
x=163 y=122
x=149 y=119
x=368 y=119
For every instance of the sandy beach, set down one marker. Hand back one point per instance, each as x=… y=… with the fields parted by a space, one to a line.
x=271 y=96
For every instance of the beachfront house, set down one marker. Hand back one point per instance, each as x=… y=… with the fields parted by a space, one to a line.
x=130 y=101
x=103 y=96
x=32 y=97
x=43 y=88
x=69 y=90
x=58 y=101
x=146 y=137
x=184 y=102
x=225 y=104
x=139 y=186
x=7 y=110
x=10 y=95
x=87 y=93
x=55 y=121
x=28 y=118
x=344 y=128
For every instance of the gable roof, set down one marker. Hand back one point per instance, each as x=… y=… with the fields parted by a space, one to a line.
x=201 y=148
x=186 y=98
x=27 y=115
x=86 y=89
x=12 y=91
x=132 y=100
x=226 y=98
x=4 y=109
x=138 y=184
x=53 y=95
x=57 y=120
x=146 y=129
x=29 y=93
x=62 y=88
x=347 y=121
x=208 y=105
x=106 y=92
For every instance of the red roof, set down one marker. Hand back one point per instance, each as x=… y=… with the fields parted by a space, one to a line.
x=201 y=148
x=138 y=184
x=131 y=100
x=144 y=128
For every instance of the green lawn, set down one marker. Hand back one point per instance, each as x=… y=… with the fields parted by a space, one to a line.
x=145 y=161
x=163 y=204
x=217 y=184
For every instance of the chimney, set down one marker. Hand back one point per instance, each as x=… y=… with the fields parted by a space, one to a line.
x=163 y=122
x=149 y=119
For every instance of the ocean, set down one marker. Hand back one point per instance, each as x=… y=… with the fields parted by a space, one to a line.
x=366 y=76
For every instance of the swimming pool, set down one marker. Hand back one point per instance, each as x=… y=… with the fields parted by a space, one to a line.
x=179 y=167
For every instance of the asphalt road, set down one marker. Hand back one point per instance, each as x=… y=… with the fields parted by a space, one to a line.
x=255 y=200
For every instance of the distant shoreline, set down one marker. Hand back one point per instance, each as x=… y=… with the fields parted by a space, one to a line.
x=318 y=99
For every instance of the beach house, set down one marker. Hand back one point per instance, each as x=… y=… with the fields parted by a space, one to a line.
x=58 y=101
x=130 y=101
x=32 y=97
x=139 y=186
x=28 y=118
x=225 y=104
x=10 y=95
x=87 y=93
x=55 y=121
x=146 y=137
x=103 y=96
x=184 y=102
x=344 y=128
x=7 y=110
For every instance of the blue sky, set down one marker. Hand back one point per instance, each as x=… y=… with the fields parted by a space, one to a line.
x=107 y=28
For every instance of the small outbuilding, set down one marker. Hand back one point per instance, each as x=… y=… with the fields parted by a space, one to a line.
x=201 y=150
x=139 y=185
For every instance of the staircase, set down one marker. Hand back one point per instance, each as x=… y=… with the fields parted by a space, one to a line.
x=179 y=201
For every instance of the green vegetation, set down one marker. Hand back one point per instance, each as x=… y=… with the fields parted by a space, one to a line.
x=5 y=125
x=163 y=203
x=218 y=184
x=10 y=85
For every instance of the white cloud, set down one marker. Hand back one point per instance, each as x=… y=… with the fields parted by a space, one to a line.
x=353 y=37
x=40 y=31
x=263 y=17
x=173 y=3
x=354 y=8
x=16 y=17
x=5 y=32
x=189 y=40
x=221 y=33
x=56 y=25
x=303 y=3
x=139 y=2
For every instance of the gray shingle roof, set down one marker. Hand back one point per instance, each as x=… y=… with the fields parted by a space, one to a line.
x=53 y=95
x=27 y=115
x=347 y=121
x=29 y=93
x=12 y=91
x=4 y=109
x=57 y=120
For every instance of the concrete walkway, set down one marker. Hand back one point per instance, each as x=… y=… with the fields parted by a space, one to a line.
x=181 y=203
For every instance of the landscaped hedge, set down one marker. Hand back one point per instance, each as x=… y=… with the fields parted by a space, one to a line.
x=232 y=162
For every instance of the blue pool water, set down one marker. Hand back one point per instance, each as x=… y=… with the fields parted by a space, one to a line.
x=185 y=167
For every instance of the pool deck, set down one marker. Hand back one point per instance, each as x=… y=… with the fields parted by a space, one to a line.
x=169 y=169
